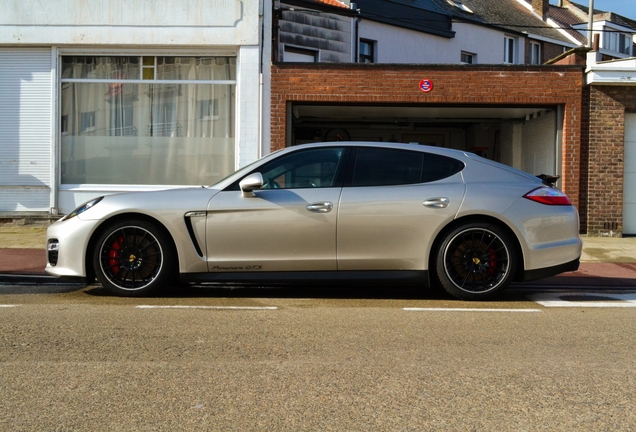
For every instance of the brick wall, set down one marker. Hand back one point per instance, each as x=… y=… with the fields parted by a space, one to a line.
x=482 y=85
x=606 y=151
x=548 y=51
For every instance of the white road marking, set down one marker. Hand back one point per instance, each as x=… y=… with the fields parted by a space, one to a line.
x=591 y=299
x=7 y=306
x=470 y=310
x=209 y=307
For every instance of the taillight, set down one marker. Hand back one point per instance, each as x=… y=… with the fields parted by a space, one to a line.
x=548 y=196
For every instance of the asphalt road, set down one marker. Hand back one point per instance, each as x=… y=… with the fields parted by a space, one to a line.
x=326 y=358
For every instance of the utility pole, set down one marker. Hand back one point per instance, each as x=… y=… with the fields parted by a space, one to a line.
x=590 y=34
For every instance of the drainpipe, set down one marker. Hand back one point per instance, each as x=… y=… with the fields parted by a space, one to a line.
x=357 y=41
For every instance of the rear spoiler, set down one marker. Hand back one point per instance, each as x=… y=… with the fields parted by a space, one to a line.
x=548 y=180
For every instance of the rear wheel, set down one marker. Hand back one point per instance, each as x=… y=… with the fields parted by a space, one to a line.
x=475 y=261
x=133 y=258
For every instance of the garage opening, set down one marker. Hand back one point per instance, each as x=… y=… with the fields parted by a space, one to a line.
x=527 y=138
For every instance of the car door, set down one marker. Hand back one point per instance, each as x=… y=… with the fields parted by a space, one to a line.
x=392 y=205
x=289 y=224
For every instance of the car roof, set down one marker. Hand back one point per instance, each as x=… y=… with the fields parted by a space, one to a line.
x=402 y=146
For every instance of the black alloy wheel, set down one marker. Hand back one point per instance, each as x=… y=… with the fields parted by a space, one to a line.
x=475 y=261
x=133 y=258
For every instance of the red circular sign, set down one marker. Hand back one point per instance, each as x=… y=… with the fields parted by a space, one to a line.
x=426 y=85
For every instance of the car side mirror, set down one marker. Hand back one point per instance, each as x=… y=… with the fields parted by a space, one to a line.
x=250 y=183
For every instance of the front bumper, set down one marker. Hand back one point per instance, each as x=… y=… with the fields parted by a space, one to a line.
x=67 y=242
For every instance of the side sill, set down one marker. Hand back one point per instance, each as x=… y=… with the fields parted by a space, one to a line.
x=530 y=275
x=405 y=276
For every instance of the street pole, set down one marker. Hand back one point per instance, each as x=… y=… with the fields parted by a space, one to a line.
x=590 y=24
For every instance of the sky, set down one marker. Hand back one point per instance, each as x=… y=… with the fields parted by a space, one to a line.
x=627 y=8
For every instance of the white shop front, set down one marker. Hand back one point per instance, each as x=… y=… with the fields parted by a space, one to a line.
x=104 y=96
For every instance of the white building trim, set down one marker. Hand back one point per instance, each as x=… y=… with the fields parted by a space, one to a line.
x=614 y=72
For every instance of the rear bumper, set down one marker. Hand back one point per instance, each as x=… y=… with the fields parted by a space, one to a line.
x=530 y=275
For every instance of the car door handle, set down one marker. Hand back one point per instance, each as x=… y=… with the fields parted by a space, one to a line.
x=320 y=207
x=439 y=202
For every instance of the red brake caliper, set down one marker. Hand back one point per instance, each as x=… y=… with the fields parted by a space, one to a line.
x=492 y=261
x=113 y=255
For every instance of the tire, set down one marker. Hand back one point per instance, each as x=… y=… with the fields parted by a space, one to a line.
x=133 y=258
x=475 y=261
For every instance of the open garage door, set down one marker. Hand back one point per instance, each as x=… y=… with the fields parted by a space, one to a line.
x=523 y=137
x=629 y=179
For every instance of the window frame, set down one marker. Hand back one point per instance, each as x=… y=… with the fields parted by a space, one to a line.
x=301 y=51
x=372 y=44
x=470 y=55
x=510 y=50
x=535 y=53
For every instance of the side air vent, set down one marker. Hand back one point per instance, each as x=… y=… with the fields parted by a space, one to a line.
x=188 y=222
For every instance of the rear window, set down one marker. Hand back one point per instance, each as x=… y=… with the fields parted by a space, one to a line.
x=389 y=167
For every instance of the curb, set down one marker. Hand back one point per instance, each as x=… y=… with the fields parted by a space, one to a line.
x=19 y=279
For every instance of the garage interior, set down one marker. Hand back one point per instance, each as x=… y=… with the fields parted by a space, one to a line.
x=527 y=138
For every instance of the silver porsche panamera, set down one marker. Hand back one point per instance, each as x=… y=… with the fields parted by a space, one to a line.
x=342 y=210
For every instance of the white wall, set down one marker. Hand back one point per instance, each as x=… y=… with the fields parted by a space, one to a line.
x=132 y=22
x=397 y=45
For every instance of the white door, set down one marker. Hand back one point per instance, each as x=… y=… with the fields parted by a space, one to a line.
x=629 y=181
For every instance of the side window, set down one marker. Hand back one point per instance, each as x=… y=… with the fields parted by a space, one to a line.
x=386 y=167
x=437 y=167
x=313 y=168
x=390 y=167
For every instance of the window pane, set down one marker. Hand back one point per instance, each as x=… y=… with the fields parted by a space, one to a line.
x=305 y=169
x=168 y=134
x=436 y=167
x=196 y=68
x=384 y=167
x=366 y=54
x=101 y=67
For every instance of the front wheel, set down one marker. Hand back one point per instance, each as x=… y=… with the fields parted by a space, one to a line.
x=475 y=261
x=133 y=258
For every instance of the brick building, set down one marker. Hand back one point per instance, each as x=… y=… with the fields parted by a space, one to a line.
x=545 y=96
x=611 y=161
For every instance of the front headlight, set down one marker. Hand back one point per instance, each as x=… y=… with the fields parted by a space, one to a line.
x=81 y=209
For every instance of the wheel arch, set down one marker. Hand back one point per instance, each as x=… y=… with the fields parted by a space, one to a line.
x=483 y=219
x=92 y=243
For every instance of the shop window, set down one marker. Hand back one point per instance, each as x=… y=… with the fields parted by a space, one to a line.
x=138 y=120
x=87 y=122
x=64 y=125
x=208 y=110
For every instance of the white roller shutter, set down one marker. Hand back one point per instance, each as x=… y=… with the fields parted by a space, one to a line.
x=629 y=180
x=25 y=129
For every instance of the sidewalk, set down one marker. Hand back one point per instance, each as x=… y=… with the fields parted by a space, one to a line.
x=606 y=262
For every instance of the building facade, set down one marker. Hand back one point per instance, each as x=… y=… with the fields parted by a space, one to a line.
x=103 y=96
